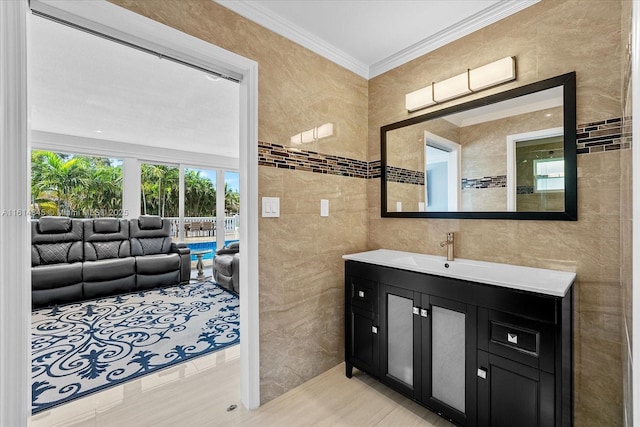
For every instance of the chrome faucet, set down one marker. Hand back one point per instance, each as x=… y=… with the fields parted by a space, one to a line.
x=449 y=244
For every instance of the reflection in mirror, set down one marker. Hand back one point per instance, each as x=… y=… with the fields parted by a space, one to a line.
x=497 y=159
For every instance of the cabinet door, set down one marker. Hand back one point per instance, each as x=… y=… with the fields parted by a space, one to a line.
x=361 y=332
x=449 y=352
x=399 y=330
x=510 y=393
x=362 y=347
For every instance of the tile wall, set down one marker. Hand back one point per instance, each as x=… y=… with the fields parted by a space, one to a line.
x=301 y=270
x=550 y=38
x=626 y=223
x=300 y=254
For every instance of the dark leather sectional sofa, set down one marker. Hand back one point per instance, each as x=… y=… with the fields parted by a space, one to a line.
x=79 y=259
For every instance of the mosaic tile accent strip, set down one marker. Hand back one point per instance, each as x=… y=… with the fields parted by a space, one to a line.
x=497 y=181
x=524 y=189
x=405 y=176
x=605 y=135
x=375 y=169
x=279 y=156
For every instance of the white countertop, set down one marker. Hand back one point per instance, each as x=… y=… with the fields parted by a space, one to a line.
x=543 y=281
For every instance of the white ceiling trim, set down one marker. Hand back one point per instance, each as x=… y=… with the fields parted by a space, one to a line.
x=119 y=150
x=465 y=27
x=264 y=17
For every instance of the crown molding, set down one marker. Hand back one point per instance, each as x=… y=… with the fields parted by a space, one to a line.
x=465 y=27
x=264 y=17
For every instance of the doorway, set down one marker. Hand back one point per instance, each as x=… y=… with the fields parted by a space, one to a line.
x=114 y=21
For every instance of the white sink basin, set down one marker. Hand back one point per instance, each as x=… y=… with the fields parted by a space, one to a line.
x=436 y=263
x=550 y=282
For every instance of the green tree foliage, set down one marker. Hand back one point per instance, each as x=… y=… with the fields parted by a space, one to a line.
x=199 y=195
x=84 y=186
x=159 y=190
x=75 y=186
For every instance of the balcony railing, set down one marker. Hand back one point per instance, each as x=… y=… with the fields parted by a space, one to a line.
x=199 y=226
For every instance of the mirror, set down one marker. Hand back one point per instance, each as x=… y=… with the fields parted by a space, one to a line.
x=511 y=155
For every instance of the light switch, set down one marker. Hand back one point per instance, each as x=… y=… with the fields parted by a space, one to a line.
x=398 y=206
x=324 y=207
x=421 y=206
x=270 y=207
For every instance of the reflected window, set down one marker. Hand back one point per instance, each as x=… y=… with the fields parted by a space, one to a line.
x=442 y=174
x=437 y=179
x=549 y=175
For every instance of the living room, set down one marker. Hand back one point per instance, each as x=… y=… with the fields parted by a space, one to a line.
x=117 y=148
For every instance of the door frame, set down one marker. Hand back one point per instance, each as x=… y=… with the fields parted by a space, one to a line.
x=15 y=301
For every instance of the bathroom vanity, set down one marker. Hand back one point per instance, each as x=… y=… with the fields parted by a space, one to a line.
x=481 y=344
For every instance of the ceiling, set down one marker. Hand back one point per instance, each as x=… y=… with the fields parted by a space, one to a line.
x=372 y=37
x=87 y=86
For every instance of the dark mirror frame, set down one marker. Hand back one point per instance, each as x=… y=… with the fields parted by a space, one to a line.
x=568 y=82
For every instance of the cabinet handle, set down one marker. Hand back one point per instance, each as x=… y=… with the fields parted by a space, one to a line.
x=482 y=373
x=416 y=311
x=361 y=294
x=374 y=329
x=512 y=338
x=424 y=312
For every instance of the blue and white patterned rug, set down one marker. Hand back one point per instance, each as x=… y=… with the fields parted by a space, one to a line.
x=82 y=348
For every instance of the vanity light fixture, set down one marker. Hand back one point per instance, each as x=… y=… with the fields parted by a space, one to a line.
x=311 y=135
x=473 y=80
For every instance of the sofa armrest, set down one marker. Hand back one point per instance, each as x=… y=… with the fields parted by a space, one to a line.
x=236 y=273
x=180 y=248
x=185 y=260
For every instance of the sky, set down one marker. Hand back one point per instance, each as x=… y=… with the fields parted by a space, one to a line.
x=232 y=178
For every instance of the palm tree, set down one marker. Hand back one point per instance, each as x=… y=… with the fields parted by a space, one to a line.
x=159 y=190
x=57 y=179
x=200 y=194
x=231 y=200
x=103 y=195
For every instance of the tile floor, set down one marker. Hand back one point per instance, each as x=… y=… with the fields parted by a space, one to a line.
x=198 y=393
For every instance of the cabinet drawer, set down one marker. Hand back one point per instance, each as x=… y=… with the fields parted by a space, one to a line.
x=514 y=336
x=363 y=293
x=517 y=338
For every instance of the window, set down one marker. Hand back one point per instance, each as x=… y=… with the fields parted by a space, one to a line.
x=548 y=175
x=75 y=186
x=159 y=190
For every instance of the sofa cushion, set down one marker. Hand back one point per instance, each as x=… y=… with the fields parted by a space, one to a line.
x=157 y=264
x=106 y=225
x=148 y=222
x=55 y=276
x=108 y=269
x=60 y=243
x=54 y=224
x=155 y=238
x=101 y=243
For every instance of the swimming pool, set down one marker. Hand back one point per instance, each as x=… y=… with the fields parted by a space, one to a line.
x=199 y=246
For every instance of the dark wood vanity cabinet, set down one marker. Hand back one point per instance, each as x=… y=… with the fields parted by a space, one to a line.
x=362 y=351
x=475 y=354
